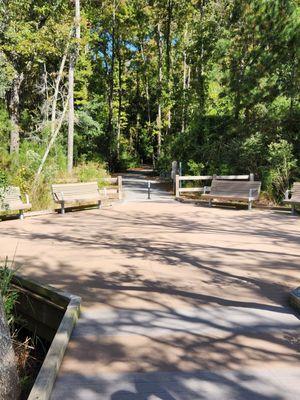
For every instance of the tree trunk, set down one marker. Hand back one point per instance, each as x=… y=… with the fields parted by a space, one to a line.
x=9 y=380
x=73 y=58
x=168 y=58
x=71 y=115
x=56 y=90
x=55 y=127
x=14 y=112
x=160 y=79
x=112 y=74
x=201 y=86
x=119 y=98
x=146 y=85
x=50 y=144
x=45 y=92
x=184 y=81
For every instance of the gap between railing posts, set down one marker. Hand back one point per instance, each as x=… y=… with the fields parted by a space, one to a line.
x=179 y=179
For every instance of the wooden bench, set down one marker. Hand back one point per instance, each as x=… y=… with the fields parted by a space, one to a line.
x=200 y=189
x=293 y=196
x=87 y=192
x=11 y=200
x=233 y=190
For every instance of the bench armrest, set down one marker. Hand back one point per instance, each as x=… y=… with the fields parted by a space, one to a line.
x=253 y=193
x=57 y=198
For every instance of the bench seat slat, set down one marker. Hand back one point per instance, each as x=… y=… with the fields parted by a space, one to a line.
x=78 y=199
x=15 y=206
x=224 y=197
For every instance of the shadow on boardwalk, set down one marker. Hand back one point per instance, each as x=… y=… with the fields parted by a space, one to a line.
x=198 y=327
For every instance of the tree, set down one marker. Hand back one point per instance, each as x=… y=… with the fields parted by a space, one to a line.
x=73 y=57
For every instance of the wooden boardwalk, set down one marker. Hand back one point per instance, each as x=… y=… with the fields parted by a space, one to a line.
x=179 y=302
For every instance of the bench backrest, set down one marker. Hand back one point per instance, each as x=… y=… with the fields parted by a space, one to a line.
x=10 y=196
x=238 y=189
x=295 y=191
x=234 y=177
x=69 y=191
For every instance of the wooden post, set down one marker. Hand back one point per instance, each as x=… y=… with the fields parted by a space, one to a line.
x=120 y=187
x=250 y=198
x=251 y=176
x=177 y=186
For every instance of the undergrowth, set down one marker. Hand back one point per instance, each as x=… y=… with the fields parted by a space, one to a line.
x=21 y=172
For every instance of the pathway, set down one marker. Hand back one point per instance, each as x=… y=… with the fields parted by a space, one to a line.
x=179 y=302
x=135 y=185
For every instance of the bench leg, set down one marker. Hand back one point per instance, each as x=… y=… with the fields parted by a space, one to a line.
x=99 y=204
x=209 y=203
x=62 y=208
x=21 y=215
x=250 y=205
x=293 y=209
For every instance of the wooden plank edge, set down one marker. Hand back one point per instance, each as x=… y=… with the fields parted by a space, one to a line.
x=255 y=205
x=46 y=291
x=195 y=178
x=37 y=213
x=45 y=380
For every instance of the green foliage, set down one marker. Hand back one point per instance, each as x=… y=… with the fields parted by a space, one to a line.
x=91 y=171
x=281 y=165
x=21 y=172
x=223 y=73
x=9 y=295
x=3 y=179
x=195 y=168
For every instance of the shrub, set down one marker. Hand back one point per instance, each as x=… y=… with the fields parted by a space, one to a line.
x=20 y=171
x=9 y=295
x=282 y=162
x=195 y=168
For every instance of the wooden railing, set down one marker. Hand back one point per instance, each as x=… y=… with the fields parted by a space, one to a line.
x=202 y=178
x=179 y=190
x=114 y=189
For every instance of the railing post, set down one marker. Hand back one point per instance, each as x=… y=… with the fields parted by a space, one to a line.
x=251 y=176
x=180 y=173
x=120 y=187
x=149 y=190
x=177 y=186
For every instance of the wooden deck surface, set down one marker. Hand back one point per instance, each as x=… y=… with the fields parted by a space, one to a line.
x=179 y=302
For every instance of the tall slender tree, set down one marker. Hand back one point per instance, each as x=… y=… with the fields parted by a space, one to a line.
x=73 y=58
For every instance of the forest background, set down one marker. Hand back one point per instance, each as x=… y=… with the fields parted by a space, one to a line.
x=211 y=83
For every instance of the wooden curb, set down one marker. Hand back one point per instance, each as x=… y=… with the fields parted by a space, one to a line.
x=256 y=206
x=37 y=213
x=45 y=380
x=294 y=298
